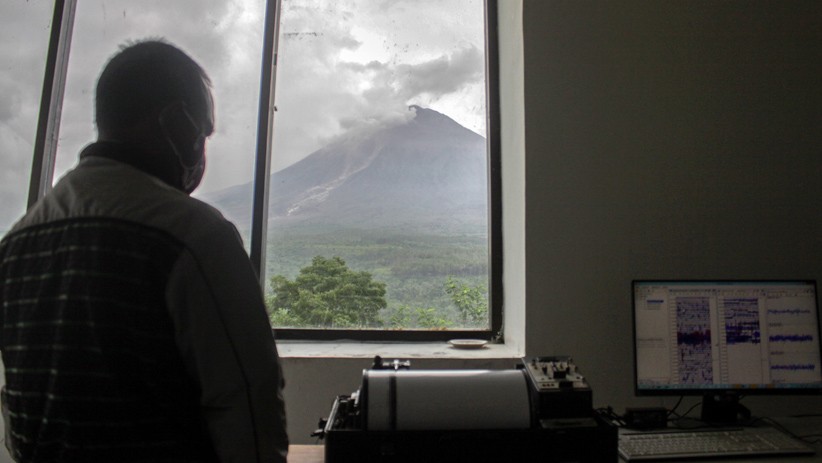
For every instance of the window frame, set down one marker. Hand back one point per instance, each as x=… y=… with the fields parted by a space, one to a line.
x=48 y=129
x=51 y=100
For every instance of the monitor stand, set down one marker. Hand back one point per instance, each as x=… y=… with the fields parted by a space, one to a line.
x=723 y=408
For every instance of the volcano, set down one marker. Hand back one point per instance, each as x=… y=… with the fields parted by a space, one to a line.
x=428 y=171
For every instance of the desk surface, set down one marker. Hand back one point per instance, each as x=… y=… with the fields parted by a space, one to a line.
x=801 y=426
x=315 y=454
x=306 y=454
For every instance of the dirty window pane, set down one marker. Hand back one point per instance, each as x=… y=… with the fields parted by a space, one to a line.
x=225 y=38
x=24 y=38
x=378 y=214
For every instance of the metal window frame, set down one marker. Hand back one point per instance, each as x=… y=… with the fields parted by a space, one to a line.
x=265 y=132
x=45 y=149
x=51 y=100
x=495 y=299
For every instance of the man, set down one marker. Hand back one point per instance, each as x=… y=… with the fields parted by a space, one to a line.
x=133 y=325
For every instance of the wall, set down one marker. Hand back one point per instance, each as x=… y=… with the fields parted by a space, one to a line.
x=512 y=144
x=665 y=139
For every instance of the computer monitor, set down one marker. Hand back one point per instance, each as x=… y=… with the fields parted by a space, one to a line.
x=724 y=339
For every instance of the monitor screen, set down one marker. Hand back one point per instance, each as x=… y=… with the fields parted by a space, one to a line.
x=747 y=337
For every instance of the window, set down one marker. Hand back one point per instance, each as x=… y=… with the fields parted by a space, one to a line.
x=356 y=149
x=24 y=38
x=379 y=191
x=224 y=37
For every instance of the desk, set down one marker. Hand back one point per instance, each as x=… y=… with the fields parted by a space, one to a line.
x=306 y=454
x=802 y=426
x=315 y=454
x=799 y=426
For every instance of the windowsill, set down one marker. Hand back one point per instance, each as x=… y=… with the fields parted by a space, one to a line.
x=355 y=349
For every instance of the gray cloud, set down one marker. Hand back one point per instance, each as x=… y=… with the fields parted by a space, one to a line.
x=10 y=100
x=396 y=54
x=343 y=65
x=23 y=42
x=212 y=32
x=443 y=75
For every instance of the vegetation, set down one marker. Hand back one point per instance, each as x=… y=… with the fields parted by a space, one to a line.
x=329 y=294
x=471 y=302
x=404 y=317
x=395 y=281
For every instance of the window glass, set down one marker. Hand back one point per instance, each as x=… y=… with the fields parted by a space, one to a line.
x=24 y=38
x=224 y=37
x=378 y=214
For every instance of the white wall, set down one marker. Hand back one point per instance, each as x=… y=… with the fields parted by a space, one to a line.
x=665 y=139
x=512 y=141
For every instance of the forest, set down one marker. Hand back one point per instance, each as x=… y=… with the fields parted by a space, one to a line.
x=335 y=277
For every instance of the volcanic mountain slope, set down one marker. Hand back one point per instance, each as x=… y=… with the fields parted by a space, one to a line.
x=428 y=171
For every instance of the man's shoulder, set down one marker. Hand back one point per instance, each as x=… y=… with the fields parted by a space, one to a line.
x=196 y=222
x=108 y=189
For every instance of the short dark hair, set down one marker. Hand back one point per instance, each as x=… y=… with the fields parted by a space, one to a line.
x=142 y=79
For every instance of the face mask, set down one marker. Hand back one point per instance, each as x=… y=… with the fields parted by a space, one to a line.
x=187 y=141
x=192 y=175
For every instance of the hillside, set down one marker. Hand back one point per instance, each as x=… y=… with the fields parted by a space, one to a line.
x=406 y=203
x=428 y=171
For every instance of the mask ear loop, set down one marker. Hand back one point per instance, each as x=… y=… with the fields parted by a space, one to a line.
x=191 y=160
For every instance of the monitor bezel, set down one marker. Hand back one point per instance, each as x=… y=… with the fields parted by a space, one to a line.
x=640 y=392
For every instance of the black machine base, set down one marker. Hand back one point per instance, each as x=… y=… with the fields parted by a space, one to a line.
x=580 y=440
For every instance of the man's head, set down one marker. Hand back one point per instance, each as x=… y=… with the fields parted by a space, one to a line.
x=153 y=95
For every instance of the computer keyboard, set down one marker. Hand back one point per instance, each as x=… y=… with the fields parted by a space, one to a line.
x=664 y=445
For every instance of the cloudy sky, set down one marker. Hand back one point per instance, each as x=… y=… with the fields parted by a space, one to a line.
x=343 y=65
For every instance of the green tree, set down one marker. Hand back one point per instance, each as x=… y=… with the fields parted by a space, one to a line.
x=400 y=318
x=326 y=294
x=405 y=317
x=471 y=301
x=430 y=318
